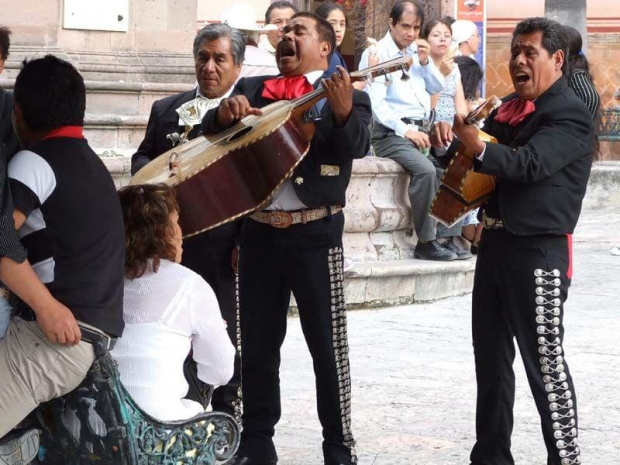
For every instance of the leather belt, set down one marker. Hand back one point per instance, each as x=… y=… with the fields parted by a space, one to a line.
x=491 y=223
x=418 y=122
x=90 y=334
x=95 y=336
x=284 y=219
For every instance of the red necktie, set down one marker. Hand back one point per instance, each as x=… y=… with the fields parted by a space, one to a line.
x=286 y=88
x=515 y=111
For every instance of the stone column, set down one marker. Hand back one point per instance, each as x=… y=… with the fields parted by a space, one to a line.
x=569 y=12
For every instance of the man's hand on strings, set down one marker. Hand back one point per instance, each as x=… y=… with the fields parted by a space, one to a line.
x=468 y=135
x=233 y=109
x=339 y=92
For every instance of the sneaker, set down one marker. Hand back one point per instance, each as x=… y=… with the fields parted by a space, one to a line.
x=461 y=254
x=20 y=449
x=433 y=251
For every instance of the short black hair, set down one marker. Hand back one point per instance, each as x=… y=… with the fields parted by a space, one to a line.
x=50 y=93
x=5 y=42
x=217 y=31
x=397 y=11
x=279 y=5
x=325 y=30
x=553 y=35
x=471 y=75
x=428 y=27
x=325 y=8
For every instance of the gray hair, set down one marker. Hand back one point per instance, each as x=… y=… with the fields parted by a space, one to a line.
x=216 y=31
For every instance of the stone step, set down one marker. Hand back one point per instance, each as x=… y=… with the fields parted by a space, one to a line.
x=116 y=66
x=122 y=98
x=121 y=134
x=399 y=282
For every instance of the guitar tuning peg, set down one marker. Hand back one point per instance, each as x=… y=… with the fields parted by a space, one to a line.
x=404 y=77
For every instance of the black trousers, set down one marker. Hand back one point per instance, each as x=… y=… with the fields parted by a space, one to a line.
x=520 y=288
x=307 y=260
x=210 y=255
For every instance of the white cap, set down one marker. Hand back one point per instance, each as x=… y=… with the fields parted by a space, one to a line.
x=462 y=30
x=241 y=15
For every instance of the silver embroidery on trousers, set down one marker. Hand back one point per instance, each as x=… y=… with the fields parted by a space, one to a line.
x=237 y=403
x=340 y=344
x=561 y=405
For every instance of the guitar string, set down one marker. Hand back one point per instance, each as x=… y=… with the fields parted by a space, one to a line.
x=198 y=148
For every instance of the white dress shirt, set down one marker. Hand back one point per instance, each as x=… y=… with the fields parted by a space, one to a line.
x=400 y=99
x=167 y=313
x=286 y=199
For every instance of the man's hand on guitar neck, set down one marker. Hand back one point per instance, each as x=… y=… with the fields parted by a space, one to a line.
x=339 y=92
x=233 y=109
x=468 y=135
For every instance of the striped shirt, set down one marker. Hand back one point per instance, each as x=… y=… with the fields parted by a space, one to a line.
x=74 y=227
x=581 y=82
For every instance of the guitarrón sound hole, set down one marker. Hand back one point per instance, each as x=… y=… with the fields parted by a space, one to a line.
x=239 y=133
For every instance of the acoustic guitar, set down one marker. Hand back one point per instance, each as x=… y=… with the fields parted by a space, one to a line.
x=223 y=177
x=462 y=190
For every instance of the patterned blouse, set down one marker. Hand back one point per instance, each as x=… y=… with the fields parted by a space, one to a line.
x=446 y=109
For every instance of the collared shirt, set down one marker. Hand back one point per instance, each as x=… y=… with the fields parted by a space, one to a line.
x=286 y=198
x=258 y=62
x=204 y=104
x=402 y=99
x=264 y=44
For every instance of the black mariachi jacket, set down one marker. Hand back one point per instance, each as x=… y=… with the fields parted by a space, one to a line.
x=543 y=164
x=163 y=121
x=321 y=179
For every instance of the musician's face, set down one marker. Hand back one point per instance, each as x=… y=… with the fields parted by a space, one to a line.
x=301 y=49
x=532 y=68
x=216 y=71
x=279 y=17
x=407 y=29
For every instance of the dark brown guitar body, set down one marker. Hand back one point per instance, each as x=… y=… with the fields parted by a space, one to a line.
x=226 y=176
x=462 y=190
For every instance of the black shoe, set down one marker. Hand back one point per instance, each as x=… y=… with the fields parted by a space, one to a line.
x=433 y=251
x=242 y=460
x=20 y=448
x=461 y=254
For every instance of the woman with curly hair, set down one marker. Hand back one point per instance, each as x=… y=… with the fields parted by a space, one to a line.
x=168 y=310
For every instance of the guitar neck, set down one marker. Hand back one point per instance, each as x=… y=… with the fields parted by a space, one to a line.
x=382 y=69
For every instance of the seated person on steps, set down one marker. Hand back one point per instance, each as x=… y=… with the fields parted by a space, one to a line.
x=168 y=309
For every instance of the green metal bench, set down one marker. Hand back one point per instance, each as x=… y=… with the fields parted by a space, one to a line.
x=609 y=125
x=99 y=423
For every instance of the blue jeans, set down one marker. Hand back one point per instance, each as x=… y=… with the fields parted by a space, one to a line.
x=5 y=316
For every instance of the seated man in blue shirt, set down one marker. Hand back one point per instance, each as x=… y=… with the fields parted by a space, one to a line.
x=401 y=111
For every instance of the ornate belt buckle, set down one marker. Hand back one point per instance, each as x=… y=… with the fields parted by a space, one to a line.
x=280 y=219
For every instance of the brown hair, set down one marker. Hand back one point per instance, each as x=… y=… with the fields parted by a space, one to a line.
x=148 y=229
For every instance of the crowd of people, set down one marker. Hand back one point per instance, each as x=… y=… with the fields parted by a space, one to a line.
x=84 y=263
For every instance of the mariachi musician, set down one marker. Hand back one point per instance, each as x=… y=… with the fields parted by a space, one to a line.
x=295 y=244
x=218 y=56
x=542 y=163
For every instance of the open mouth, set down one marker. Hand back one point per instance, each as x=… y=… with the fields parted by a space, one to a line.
x=286 y=50
x=522 y=78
